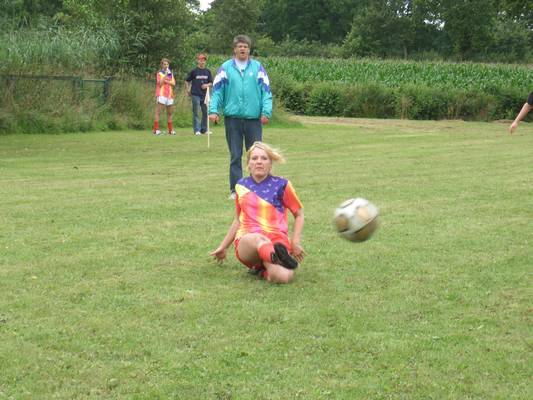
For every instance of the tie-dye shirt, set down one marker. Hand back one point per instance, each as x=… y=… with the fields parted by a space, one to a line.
x=165 y=90
x=262 y=207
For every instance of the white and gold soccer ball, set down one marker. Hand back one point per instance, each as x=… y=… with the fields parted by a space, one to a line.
x=356 y=219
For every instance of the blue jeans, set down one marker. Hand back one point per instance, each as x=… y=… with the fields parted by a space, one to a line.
x=237 y=130
x=197 y=107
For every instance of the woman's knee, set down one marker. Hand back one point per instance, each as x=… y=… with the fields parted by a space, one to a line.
x=280 y=275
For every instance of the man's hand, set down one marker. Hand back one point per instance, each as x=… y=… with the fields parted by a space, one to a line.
x=264 y=120
x=214 y=118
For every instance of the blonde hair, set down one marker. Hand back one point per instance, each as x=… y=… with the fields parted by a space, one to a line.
x=274 y=154
x=163 y=60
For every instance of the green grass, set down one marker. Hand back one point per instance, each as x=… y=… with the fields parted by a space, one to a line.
x=107 y=289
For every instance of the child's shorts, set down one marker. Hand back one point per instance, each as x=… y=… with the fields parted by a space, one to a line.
x=166 y=101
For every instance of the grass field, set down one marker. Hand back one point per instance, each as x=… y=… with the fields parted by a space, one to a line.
x=107 y=290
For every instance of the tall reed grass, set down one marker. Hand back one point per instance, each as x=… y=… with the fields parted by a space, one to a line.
x=56 y=106
x=52 y=49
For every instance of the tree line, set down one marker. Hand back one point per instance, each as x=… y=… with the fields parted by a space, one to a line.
x=130 y=36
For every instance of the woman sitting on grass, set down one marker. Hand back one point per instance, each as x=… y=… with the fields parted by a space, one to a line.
x=260 y=229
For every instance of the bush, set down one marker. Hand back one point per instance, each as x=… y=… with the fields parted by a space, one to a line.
x=418 y=102
x=369 y=101
x=292 y=95
x=32 y=105
x=508 y=102
x=325 y=99
x=470 y=105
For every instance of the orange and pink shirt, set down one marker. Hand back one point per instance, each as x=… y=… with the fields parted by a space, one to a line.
x=166 y=89
x=263 y=207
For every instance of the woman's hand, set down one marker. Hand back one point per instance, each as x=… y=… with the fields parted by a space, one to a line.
x=298 y=252
x=219 y=254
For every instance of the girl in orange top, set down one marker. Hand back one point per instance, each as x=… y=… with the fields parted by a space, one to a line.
x=164 y=95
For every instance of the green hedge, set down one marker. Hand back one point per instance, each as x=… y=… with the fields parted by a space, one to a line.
x=56 y=106
x=418 y=102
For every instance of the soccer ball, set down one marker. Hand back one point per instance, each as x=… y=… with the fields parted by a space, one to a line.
x=356 y=219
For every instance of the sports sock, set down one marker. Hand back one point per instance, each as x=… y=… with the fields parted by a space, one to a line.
x=156 y=125
x=169 y=125
x=265 y=252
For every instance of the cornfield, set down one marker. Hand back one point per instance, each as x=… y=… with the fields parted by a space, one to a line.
x=396 y=73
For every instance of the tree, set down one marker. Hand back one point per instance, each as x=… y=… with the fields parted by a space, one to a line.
x=384 y=28
x=229 y=18
x=518 y=10
x=325 y=21
x=147 y=30
x=467 y=23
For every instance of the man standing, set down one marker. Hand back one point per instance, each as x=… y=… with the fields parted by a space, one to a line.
x=196 y=85
x=242 y=90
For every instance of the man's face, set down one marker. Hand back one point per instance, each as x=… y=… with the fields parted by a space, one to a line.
x=242 y=51
x=201 y=62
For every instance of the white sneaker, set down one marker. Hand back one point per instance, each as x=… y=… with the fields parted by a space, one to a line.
x=197 y=133
x=157 y=132
x=172 y=133
x=232 y=196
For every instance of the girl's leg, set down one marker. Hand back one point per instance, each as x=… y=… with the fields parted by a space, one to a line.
x=158 y=108
x=255 y=248
x=169 y=120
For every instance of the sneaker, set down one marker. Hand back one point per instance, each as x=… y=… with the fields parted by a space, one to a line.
x=197 y=133
x=157 y=132
x=172 y=133
x=281 y=256
x=232 y=196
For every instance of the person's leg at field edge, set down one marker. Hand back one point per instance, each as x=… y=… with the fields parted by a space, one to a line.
x=234 y=137
x=255 y=248
x=169 y=120
x=196 y=107
x=203 y=126
x=158 y=108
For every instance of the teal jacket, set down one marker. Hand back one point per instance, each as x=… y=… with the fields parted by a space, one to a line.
x=246 y=96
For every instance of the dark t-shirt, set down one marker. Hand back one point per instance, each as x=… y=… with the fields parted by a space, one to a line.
x=198 y=77
x=530 y=99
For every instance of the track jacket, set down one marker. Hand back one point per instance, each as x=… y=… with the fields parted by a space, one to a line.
x=244 y=96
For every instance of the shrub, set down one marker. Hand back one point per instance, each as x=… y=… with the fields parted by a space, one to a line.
x=418 y=102
x=508 y=102
x=292 y=95
x=370 y=101
x=470 y=105
x=325 y=99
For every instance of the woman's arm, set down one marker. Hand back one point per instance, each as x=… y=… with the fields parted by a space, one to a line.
x=220 y=252
x=297 y=249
